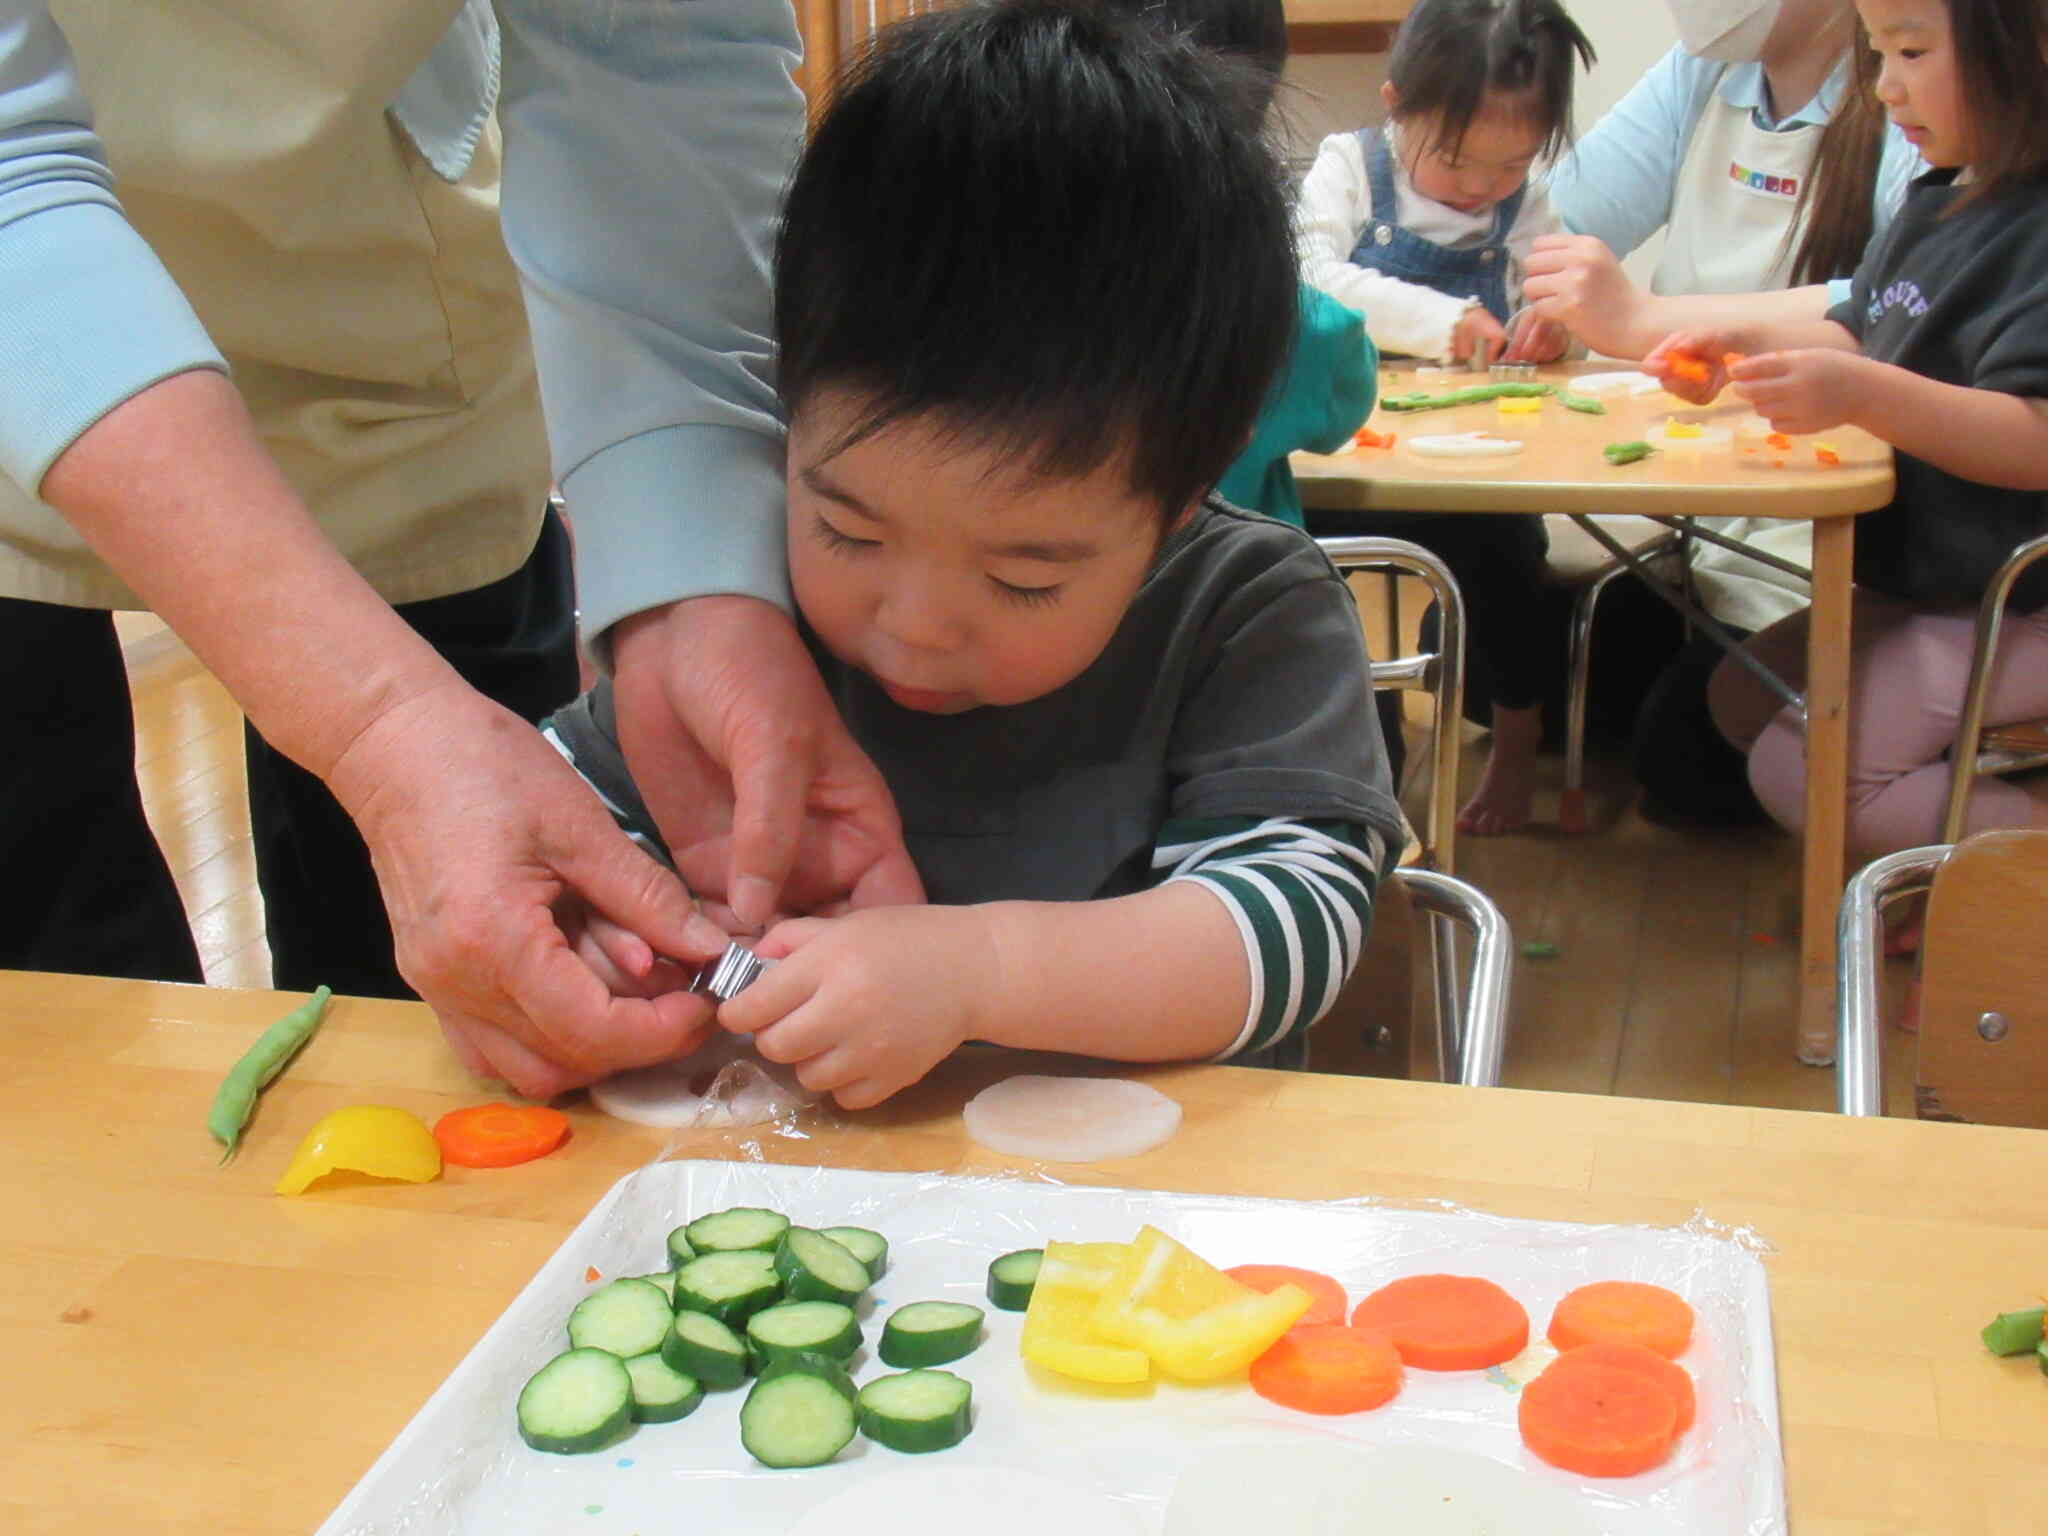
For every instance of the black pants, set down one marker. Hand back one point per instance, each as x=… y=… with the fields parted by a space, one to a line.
x=88 y=890
x=1498 y=562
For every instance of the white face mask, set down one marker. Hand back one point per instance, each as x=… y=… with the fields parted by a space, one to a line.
x=1724 y=31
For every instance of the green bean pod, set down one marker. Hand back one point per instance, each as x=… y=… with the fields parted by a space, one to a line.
x=1585 y=404
x=1476 y=394
x=235 y=1100
x=1627 y=453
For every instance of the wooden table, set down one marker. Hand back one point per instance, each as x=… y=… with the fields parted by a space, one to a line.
x=191 y=1355
x=1562 y=470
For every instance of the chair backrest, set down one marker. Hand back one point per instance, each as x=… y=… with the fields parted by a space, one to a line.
x=1984 y=983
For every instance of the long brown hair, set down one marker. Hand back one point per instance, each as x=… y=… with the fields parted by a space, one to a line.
x=1833 y=216
x=2003 y=80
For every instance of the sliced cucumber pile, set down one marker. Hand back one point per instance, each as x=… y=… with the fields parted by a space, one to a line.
x=746 y=1291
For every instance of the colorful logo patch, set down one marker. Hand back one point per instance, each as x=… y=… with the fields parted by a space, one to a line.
x=1762 y=182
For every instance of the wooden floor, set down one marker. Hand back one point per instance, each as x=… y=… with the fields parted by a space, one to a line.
x=1676 y=949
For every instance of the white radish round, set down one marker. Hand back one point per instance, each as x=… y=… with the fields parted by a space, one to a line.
x=1070 y=1119
x=1465 y=445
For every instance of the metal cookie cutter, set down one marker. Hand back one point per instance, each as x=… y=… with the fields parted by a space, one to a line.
x=730 y=974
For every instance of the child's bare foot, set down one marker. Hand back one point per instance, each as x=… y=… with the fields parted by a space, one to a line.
x=1508 y=786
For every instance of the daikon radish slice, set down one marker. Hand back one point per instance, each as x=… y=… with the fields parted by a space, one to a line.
x=1465 y=445
x=1070 y=1119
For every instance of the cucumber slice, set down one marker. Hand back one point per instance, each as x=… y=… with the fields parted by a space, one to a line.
x=666 y=1280
x=916 y=1411
x=679 y=1250
x=1011 y=1277
x=627 y=1317
x=930 y=1333
x=741 y=1228
x=730 y=1286
x=2014 y=1333
x=869 y=1246
x=799 y=1413
x=579 y=1401
x=701 y=1346
x=661 y=1393
x=815 y=1268
x=792 y=1327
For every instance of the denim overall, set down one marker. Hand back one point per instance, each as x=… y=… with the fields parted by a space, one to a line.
x=1476 y=272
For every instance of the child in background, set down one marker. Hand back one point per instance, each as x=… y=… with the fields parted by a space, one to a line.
x=1424 y=225
x=1326 y=388
x=1942 y=351
x=1129 y=728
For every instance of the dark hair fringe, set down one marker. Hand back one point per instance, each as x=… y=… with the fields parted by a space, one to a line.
x=1449 y=55
x=1046 y=228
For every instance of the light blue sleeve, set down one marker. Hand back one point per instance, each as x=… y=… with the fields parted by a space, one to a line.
x=646 y=147
x=1617 y=181
x=91 y=316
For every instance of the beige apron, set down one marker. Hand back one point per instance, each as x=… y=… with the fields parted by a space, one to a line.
x=367 y=306
x=1735 y=199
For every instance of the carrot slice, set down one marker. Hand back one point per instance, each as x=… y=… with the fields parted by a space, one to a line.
x=1778 y=440
x=1624 y=1311
x=1677 y=1380
x=1447 y=1322
x=1598 y=1420
x=1687 y=365
x=499 y=1135
x=1328 y=1368
x=1327 y=1301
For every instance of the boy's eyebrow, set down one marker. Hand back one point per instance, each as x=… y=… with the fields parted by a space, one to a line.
x=1052 y=551
x=814 y=479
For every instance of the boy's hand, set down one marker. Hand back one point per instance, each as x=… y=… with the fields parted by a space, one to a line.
x=1476 y=332
x=865 y=1005
x=1808 y=390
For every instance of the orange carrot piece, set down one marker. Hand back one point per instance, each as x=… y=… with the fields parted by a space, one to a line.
x=1676 y=1379
x=1447 y=1322
x=1328 y=1368
x=1627 y=1311
x=1598 y=1420
x=592 y=1274
x=1687 y=365
x=1827 y=456
x=1327 y=1301
x=499 y=1135
x=1779 y=440
x=1365 y=437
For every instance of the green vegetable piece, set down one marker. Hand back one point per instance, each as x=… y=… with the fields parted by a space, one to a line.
x=2041 y=1355
x=1540 y=949
x=2014 y=1333
x=235 y=1101
x=1419 y=401
x=1627 y=453
x=1012 y=1277
x=1585 y=404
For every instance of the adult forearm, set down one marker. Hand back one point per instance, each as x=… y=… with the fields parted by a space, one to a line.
x=174 y=490
x=1156 y=976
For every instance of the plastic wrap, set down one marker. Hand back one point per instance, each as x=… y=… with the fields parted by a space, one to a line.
x=1115 y=1458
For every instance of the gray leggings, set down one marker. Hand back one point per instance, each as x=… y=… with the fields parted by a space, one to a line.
x=1907 y=670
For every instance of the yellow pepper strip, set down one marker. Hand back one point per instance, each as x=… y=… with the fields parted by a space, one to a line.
x=1676 y=429
x=1194 y=1321
x=376 y=1139
x=1517 y=405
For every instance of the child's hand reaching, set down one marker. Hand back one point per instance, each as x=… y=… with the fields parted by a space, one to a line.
x=1807 y=390
x=866 y=1004
x=1691 y=364
x=1477 y=332
x=1536 y=340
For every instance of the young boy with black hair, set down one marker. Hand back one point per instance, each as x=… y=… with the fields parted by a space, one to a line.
x=1033 y=281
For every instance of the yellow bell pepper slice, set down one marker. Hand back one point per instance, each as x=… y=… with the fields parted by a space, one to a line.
x=376 y=1139
x=1191 y=1319
x=1057 y=1336
x=1085 y=1267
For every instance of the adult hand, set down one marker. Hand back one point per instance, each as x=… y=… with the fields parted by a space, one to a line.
x=1576 y=281
x=865 y=1005
x=1809 y=389
x=1477 y=333
x=487 y=848
x=762 y=796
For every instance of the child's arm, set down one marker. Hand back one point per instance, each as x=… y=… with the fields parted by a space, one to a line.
x=1233 y=954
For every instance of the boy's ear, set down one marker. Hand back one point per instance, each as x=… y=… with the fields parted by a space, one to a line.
x=1390 y=98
